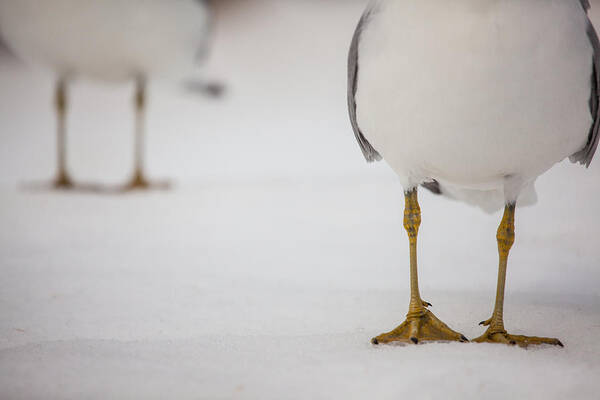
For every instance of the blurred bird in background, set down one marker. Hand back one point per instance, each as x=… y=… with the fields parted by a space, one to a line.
x=110 y=41
x=473 y=100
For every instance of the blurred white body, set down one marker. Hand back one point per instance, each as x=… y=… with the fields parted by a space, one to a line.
x=481 y=95
x=107 y=39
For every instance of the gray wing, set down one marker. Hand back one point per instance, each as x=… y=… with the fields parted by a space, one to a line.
x=5 y=51
x=585 y=155
x=585 y=4
x=368 y=151
x=204 y=50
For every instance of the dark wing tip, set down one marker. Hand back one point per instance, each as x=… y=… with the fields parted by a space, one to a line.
x=433 y=187
x=585 y=155
x=585 y=4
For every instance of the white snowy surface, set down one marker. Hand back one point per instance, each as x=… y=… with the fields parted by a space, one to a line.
x=278 y=254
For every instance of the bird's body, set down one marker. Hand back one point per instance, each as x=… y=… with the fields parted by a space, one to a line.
x=482 y=96
x=109 y=40
x=474 y=99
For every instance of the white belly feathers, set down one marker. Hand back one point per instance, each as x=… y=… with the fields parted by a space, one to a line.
x=477 y=92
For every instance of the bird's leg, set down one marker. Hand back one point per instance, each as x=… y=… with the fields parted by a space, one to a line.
x=138 y=181
x=496 y=332
x=62 y=179
x=420 y=324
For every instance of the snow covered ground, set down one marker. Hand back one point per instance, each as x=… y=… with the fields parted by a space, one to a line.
x=278 y=254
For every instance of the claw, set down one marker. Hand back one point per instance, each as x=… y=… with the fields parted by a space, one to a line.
x=414 y=340
x=558 y=342
x=463 y=338
x=375 y=341
x=427 y=304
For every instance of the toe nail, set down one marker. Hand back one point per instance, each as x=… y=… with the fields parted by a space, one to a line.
x=513 y=342
x=414 y=340
x=482 y=323
x=374 y=341
x=558 y=342
x=464 y=338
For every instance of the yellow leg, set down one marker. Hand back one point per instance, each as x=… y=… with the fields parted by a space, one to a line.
x=62 y=179
x=420 y=324
x=496 y=332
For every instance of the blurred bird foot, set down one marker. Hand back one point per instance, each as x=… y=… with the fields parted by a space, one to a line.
x=420 y=327
x=139 y=182
x=501 y=336
x=63 y=182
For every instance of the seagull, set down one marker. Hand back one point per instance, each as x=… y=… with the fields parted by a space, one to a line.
x=110 y=41
x=473 y=99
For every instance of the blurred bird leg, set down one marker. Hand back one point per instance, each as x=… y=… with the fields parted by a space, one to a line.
x=139 y=180
x=421 y=324
x=62 y=179
x=496 y=332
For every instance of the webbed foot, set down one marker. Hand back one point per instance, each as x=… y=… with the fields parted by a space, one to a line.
x=425 y=327
x=501 y=336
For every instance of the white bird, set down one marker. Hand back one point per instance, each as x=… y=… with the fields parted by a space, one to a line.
x=107 y=40
x=473 y=99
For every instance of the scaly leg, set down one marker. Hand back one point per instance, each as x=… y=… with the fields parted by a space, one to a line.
x=62 y=180
x=420 y=324
x=496 y=332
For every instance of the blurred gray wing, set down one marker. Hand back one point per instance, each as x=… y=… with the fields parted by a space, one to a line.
x=5 y=51
x=368 y=151
x=204 y=48
x=585 y=4
x=585 y=155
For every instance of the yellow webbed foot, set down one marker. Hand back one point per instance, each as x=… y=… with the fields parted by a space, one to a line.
x=495 y=335
x=518 y=340
x=421 y=328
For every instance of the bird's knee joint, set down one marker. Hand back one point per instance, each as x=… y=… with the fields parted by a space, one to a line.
x=140 y=99
x=505 y=237
x=60 y=101
x=506 y=230
x=412 y=222
x=412 y=214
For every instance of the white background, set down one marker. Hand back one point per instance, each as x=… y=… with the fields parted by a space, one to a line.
x=278 y=254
